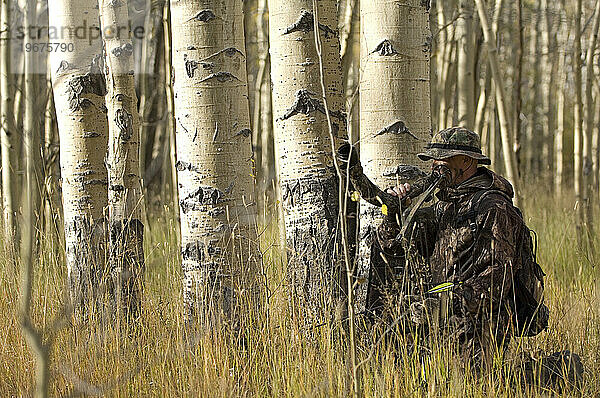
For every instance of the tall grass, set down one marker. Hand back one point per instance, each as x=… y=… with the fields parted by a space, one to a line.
x=153 y=357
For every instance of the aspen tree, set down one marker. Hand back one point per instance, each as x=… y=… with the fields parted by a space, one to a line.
x=587 y=188
x=509 y=155
x=550 y=83
x=465 y=79
x=560 y=116
x=169 y=164
x=214 y=159
x=263 y=117
x=6 y=122
x=124 y=182
x=309 y=185
x=150 y=81
x=38 y=347
x=445 y=62
x=486 y=88
x=517 y=97
x=578 y=125
x=395 y=125
x=535 y=96
x=79 y=90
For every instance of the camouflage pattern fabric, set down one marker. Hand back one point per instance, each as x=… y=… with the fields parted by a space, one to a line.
x=454 y=141
x=476 y=253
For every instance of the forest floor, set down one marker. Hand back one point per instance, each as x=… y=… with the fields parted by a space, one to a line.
x=152 y=358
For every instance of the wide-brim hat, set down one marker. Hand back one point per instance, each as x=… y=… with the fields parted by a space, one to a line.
x=454 y=141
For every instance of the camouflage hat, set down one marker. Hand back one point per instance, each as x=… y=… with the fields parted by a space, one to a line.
x=454 y=141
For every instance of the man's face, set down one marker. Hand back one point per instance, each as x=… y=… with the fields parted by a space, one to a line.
x=457 y=165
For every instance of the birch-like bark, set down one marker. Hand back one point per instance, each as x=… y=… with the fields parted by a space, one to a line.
x=445 y=62
x=509 y=155
x=550 y=83
x=395 y=47
x=6 y=124
x=587 y=188
x=517 y=97
x=171 y=160
x=150 y=83
x=214 y=160
x=79 y=90
x=465 y=79
x=560 y=118
x=263 y=117
x=485 y=90
x=38 y=347
x=578 y=125
x=534 y=128
x=124 y=182
x=308 y=181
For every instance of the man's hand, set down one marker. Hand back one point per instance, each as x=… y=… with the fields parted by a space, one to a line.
x=401 y=191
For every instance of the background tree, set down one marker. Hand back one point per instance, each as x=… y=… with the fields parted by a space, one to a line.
x=7 y=122
x=309 y=185
x=79 y=90
x=465 y=63
x=214 y=159
x=395 y=49
x=124 y=180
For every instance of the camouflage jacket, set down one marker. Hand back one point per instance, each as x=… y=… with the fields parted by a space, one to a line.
x=468 y=238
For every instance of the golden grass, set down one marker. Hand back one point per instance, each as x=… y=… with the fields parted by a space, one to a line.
x=152 y=358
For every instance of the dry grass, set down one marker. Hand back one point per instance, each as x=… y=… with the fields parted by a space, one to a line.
x=152 y=358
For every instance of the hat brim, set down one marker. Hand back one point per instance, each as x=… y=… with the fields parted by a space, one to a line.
x=439 y=154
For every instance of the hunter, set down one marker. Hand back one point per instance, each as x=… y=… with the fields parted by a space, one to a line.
x=483 y=283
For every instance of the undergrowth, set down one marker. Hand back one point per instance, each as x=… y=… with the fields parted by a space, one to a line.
x=153 y=358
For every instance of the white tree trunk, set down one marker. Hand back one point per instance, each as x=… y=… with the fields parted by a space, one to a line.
x=214 y=159
x=509 y=156
x=6 y=123
x=560 y=114
x=124 y=182
x=302 y=145
x=79 y=89
x=395 y=115
x=465 y=63
x=578 y=125
x=587 y=188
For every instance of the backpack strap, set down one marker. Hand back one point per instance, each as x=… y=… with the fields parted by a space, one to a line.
x=475 y=205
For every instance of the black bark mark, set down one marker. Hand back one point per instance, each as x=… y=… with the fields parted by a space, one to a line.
x=306 y=104
x=198 y=251
x=124 y=121
x=405 y=172
x=426 y=4
x=221 y=77
x=306 y=23
x=385 y=48
x=397 y=128
x=95 y=182
x=117 y=188
x=427 y=44
x=244 y=132
x=90 y=134
x=190 y=67
x=115 y=3
x=125 y=50
x=204 y=196
x=183 y=166
x=64 y=65
x=90 y=83
x=203 y=16
x=228 y=52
